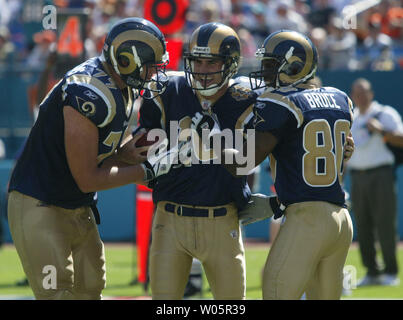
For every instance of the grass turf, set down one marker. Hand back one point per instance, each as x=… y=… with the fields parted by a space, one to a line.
x=121 y=270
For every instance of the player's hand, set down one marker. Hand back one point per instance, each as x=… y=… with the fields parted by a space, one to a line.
x=349 y=147
x=185 y=152
x=160 y=162
x=205 y=121
x=259 y=207
x=131 y=154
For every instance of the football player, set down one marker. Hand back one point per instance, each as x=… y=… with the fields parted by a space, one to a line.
x=304 y=129
x=73 y=151
x=197 y=204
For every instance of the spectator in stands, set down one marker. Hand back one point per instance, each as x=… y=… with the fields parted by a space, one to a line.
x=256 y=23
x=198 y=13
x=318 y=37
x=43 y=40
x=321 y=13
x=390 y=17
x=340 y=47
x=6 y=47
x=373 y=189
x=248 y=49
x=378 y=50
x=237 y=19
x=286 y=18
x=210 y=12
x=301 y=7
x=45 y=82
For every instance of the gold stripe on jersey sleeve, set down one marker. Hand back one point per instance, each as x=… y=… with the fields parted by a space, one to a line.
x=101 y=89
x=241 y=120
x=285 y=102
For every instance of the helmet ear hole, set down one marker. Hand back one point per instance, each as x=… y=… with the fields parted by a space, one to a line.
x=123 y=61
x=293 y=68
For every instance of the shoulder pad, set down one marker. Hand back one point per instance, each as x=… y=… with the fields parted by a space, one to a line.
x=282 y=100
x=91 y=97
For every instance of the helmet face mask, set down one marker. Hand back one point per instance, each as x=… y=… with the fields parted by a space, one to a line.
x=157 y=80
x=136 y=50
x=293 y=60
x=208 y=82
x=219 y=45
x=266 y=76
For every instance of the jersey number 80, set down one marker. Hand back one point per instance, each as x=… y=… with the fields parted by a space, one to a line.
x=322 y=162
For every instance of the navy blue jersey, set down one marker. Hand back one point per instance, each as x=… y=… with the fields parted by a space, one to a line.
x=42 y=170
x=311 y=126
x=199 y=184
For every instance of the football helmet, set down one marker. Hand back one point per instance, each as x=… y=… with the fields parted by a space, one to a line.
x=287 y=59
x=212 y=41
x=136 y=48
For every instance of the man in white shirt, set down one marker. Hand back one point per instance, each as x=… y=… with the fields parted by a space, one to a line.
x=373 y=189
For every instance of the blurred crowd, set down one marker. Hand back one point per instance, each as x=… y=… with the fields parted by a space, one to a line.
x=349 y=34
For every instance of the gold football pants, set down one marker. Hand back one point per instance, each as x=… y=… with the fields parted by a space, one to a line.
x=215 y=241
x=309 y=253
x=60 y=249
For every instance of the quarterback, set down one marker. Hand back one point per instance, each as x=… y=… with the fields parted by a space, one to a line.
x=197 y=204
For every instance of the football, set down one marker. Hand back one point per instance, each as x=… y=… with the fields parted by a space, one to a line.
x=143 y=141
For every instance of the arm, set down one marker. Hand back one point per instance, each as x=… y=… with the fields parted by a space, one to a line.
x=394 y=138
x=81 y=143
x=264 y=143
x=349 y=147
x=255 y=148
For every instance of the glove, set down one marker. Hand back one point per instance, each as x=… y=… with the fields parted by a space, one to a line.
x=185 y=153
x=260 y=207
x=205 y=121
x=160 y=163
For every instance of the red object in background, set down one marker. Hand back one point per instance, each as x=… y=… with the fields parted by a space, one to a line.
x=174 y=47
x=167 y=15
x=144 y=217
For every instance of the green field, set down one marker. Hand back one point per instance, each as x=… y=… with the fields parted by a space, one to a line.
x=121 y=270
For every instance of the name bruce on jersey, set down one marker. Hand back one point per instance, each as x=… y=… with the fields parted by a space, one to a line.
x=321 y=100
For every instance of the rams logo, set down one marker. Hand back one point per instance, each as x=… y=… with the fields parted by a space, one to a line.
x=134 y=47
x=287 y=59
x=87 y=108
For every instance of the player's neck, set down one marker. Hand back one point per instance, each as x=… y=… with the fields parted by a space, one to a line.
x=211 y=99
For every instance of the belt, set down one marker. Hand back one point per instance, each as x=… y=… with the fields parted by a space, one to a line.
x=96 y=213
x=194 y=212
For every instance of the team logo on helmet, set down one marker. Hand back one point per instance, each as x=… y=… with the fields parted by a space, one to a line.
x=136 y=49
x=287 y=59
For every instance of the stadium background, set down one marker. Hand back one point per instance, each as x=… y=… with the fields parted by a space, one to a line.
x=345 y=47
